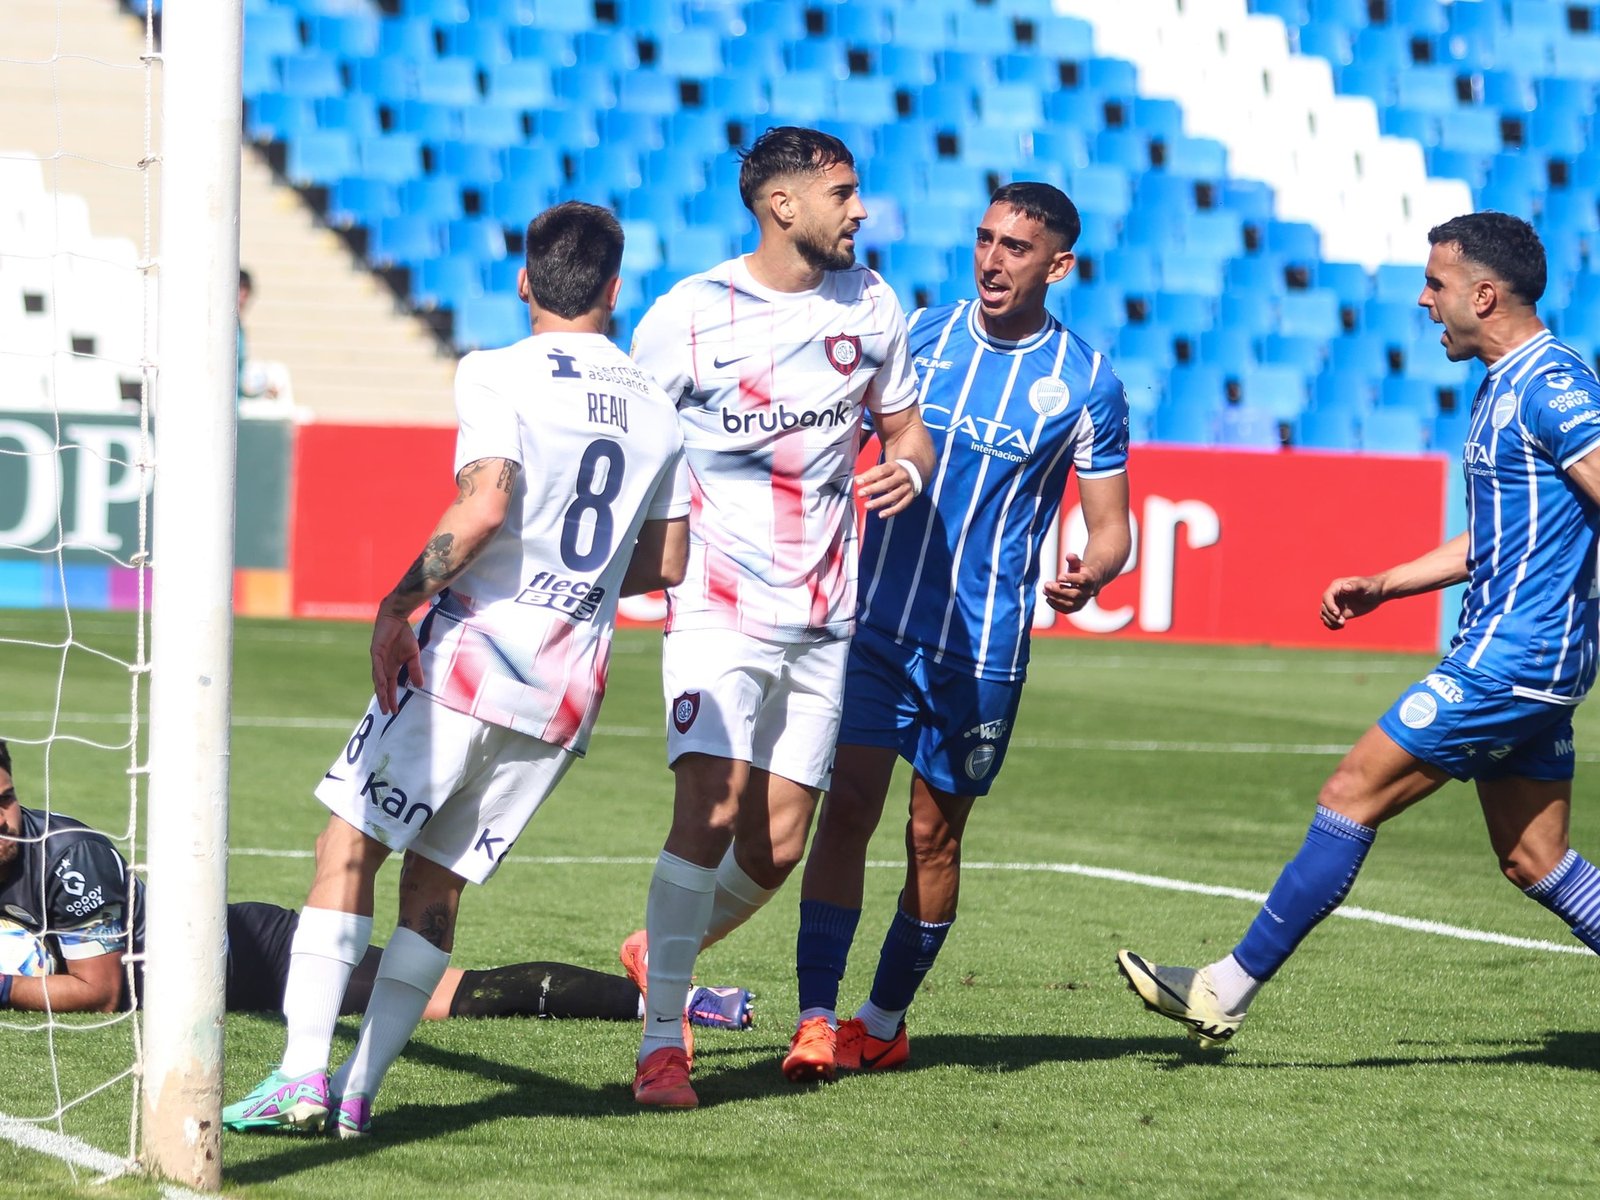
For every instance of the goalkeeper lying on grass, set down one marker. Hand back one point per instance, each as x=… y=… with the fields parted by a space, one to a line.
x=64 y=899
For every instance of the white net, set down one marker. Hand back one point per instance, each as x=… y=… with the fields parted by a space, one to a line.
x=77 y=312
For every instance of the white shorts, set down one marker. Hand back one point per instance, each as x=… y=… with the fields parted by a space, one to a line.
x=454 y=789
x=774 y=705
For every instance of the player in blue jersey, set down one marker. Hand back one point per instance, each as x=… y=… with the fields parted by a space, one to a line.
x=1498 y=709
x=1013 y=401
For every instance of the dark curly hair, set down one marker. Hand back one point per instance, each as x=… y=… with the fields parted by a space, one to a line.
x=1507 y=246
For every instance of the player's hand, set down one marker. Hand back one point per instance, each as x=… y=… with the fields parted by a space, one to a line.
x=1074 y=587
x=1352 y=596
x=886 y=488
x=394 y=648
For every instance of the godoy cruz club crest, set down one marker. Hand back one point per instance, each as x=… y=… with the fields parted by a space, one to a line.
x=844 y=352
x=684 y=710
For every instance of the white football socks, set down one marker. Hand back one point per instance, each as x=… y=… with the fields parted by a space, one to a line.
x=880 y=1022
x=1234 y=986
x=675 y=917
x=737 y=899
x=409 y=971
x=326 y=948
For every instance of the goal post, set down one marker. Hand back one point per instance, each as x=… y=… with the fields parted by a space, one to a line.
x=195 y=427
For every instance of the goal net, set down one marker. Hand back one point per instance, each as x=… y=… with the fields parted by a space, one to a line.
x=116 y=548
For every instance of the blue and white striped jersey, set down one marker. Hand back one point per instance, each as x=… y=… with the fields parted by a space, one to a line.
x=1530 y=611
x=955 y=573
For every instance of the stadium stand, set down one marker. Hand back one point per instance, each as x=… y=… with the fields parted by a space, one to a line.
x=1259 y=226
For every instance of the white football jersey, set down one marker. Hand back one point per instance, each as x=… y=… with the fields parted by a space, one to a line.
x=770 y=388
x=522 y=638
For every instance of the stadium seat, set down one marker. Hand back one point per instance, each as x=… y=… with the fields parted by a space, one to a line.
x=1184 y=425
x=1393 y=431
x=1327 y=429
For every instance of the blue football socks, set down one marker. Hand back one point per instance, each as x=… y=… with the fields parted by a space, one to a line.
x=1311 y=886
x=1572 y=892
x=909 y=950
x=823 y=945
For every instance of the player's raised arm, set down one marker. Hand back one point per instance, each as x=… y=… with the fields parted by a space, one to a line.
x=1357 y=595
x=479 y=509
x=1105 y=514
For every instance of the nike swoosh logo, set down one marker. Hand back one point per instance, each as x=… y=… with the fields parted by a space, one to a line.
x=332 y=776
x=868 y=1061
x=667 y=1020
x=719 y=364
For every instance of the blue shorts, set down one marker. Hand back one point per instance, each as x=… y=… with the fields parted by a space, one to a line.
x=1476 y=728
x=950 y=725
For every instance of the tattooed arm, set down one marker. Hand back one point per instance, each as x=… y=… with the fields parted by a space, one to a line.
x=479 y=509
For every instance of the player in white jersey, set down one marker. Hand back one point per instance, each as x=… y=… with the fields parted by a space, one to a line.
x=1014 y=401
x=572 y=492
x=1498 y=709
x=772 y=359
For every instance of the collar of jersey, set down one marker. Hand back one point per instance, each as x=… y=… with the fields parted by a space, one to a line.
x=1522 y=353
x=745 y=281
x=999 y=345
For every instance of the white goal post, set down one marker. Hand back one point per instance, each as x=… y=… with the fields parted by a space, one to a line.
x=192 y=596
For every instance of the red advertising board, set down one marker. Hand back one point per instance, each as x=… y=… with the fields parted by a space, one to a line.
x=1229 y=546
x=365 y=500
x=1237 y=546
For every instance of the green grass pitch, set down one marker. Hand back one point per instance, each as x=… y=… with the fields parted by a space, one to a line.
x=1381 y=1062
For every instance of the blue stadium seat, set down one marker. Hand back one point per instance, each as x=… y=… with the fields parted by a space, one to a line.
x=357 y=201
x=1327 y=429
x=1471 y=131
x=1322 y=39
x=867 y=99
x=1277 y=388
x=447 y=281
x=697 y=248
x=1261 y=276
x=1200 y=387
x=525 y=83
x=347 y=34
x=562 y=14
x=492 y=124
x=542 y=44
x=1349 y=281
x=1010 y=106
x=1305 y=354
x=1063 y=37
x=403 y=240
x=859 y=24
x=1200 y=274
x=353 y=113
x=1339 y=387
x=1195 y=157
x=516 y=200
x=1294 y=240
x=1398 y=282
x=908 y=66
x=1393 y=431
x=571 y=128
x=437 y=197
x=310 y=75
x=1144 y=382
x=1101 y=189
x=1185 y=425
x=486 y=44
x=482 y=237
x=274 y=31
x=424 y=119
x=1448 y=431
x=407 y=38
x=615 y=49
x=586 y=86
x=1251 y=313
x=1111 y=77
x=320 y=156
x=1364 y=353
x=1152 y=343
x=278 y=117
x=699 y=130
x=395 y=157
x=988 y=31
x=1189 y=313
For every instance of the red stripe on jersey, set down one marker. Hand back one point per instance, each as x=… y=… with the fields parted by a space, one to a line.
x=467 y=667
x=789 y=455
x=827 y=582
x=694 y=338
x=722 y=580
x=553 y=667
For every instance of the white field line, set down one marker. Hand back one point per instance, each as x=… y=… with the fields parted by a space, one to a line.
x=1106 y=745
x=79 y=1153
x=1349 y=911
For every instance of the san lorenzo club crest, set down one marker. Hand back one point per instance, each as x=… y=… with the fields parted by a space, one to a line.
x=844 y=352
x=684 y=710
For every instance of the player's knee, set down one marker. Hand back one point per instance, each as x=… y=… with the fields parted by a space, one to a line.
x=1524 y=869
x=343 y=849
x=933 y=846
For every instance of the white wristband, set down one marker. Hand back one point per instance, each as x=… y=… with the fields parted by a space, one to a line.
x=911 y=470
